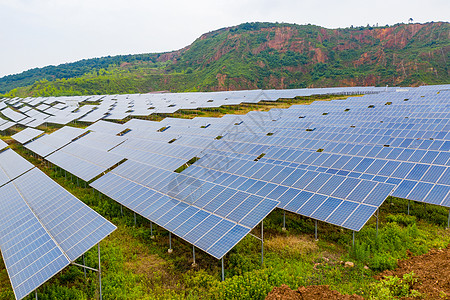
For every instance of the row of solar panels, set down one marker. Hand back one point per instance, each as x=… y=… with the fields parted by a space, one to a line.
x=43 y=228
x=33 y=112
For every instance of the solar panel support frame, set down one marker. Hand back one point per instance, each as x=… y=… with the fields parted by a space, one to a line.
x=99 y=270
x=262 y=241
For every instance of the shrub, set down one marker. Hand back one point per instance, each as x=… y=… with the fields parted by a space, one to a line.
x=393 y=287
x=401 y=219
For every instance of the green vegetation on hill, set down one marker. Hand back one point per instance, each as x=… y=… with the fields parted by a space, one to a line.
x=258 y=55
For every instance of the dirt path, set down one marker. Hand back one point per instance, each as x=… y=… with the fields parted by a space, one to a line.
x=432 y=270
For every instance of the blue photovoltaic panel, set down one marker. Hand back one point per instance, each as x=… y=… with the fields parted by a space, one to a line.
x=43 y=228
x=12 y=165
x=30 y=254
x=3 y=144
x=73 y=225
x=46 y=145
x=83 y=161
x=27 y=135
x=312 y=193
x=162 y=201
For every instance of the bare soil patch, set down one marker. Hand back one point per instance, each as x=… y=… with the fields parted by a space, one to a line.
x=431 y=269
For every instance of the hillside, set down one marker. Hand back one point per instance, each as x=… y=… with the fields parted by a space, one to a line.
x=258 y=55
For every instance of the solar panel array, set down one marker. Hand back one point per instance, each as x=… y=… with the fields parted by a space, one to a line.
x=43 y=228
x=211 y=217
x=334 y=161
x=34 y=112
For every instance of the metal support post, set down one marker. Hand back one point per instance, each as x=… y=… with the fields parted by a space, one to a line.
x=99 y=274
x=193 y=256
x=134 y=219
x=284 y=220
x=353 y=238
x=315 y=229
x=448 y=220
x=262 y=243
x=121 y=210
x=84 y=269
x=378 y=211
x=170 y=250
x=223 y=271
x=408 y=207
x=151 y=231
x=35 y=294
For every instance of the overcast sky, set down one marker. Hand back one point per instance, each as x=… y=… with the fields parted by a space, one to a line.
x=37 y=33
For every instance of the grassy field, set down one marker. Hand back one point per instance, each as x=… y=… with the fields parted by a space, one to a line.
x=137 y=266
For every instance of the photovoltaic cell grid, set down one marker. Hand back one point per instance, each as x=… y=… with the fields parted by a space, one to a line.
x=43 y=228
x=30 y=254
x=213 y=219
x=331 y=198
x=107 y=127
x=156 y=153
x=13 y=115
x=433 y=190
x=62 y=110
x=71 y=223
x=49 y=143
x=6 y=125
x=27 y=135
x=12 y=165
x=100 y=141
x=83 y=161
x=327 y=190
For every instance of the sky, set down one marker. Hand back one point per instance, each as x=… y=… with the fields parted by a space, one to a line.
x=37 y=33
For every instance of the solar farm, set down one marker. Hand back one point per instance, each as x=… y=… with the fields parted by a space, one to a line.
x=210 y=182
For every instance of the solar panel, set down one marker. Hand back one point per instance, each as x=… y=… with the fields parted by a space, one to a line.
x=6 y=125
x=12 y=165
x=162 y=203
x=49 y=143
x=27 y=135
x=72 y=224
x=107 y=127
x=13 y=115
x=43 y=228
x=30 y=254
x=83 y=161
x=319 y=187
